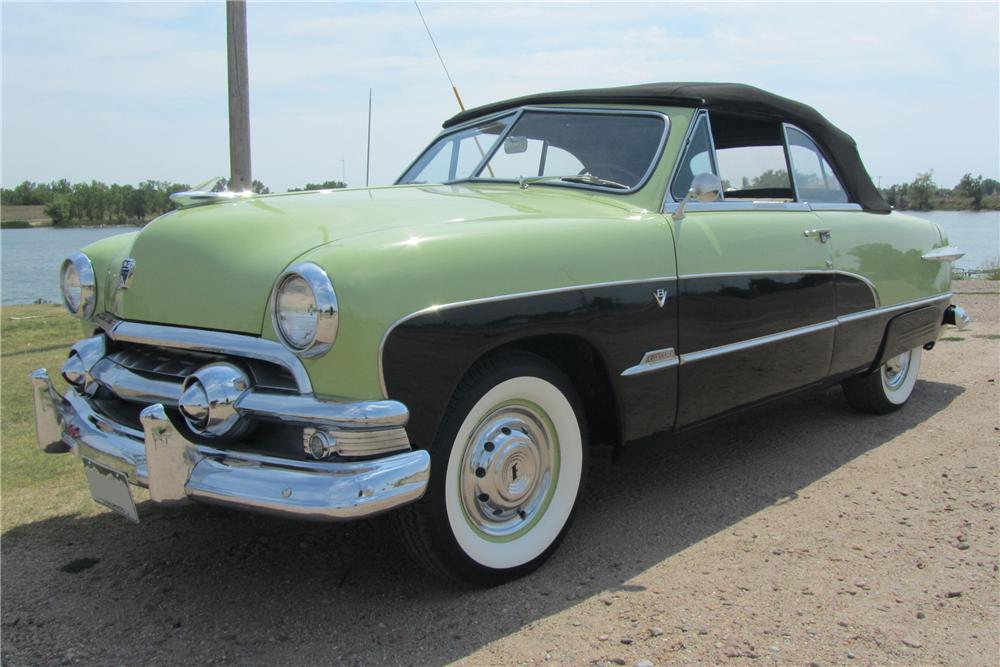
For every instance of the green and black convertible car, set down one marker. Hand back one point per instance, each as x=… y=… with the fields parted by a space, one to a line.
x=552 y=271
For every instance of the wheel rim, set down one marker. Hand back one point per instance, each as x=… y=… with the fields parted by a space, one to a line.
x=894 y=370
x=509 y=470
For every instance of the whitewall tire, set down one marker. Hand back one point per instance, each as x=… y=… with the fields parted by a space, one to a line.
x=507 y=467
x=888 y=387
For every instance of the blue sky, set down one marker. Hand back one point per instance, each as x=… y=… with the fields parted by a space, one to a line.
x=126 y=92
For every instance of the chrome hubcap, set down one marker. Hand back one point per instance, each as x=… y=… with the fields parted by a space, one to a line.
x=894 y=370
x=506 y=475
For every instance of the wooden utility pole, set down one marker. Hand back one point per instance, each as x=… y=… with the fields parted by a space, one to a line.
x=239 y=96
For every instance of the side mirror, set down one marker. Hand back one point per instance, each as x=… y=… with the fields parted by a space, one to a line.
x=705 y=188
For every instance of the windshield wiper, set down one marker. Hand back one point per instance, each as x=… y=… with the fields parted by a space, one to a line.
x=588 y=179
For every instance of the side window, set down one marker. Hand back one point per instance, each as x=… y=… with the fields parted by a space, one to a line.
x=751 y=155
x=755 y=172
x=697 y=159
x=814 y=179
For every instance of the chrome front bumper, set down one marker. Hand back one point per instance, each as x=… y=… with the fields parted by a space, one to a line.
x=177 y=470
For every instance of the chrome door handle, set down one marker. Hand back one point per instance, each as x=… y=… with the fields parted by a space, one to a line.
x=823 y=234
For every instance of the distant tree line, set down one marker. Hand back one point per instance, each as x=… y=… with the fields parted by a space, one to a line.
x=325 y=185
x=98 y=203
x=921 y=194
x=924 y=194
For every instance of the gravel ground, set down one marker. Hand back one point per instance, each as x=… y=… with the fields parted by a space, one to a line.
x=803 y=533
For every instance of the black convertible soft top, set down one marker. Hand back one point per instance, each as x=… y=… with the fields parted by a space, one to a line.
x=724 y=97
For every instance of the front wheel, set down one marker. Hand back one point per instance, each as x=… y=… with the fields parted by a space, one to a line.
x=888 y=387
x=506 y=470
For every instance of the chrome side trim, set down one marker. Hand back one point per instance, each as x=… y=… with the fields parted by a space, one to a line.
x=724 y=274
x=653 y=360
x=691 y=357
x=871 y=285
x=492 y=299
x=946 y=254
x=916 y=303
x=739 y=205
x=216 y=342
x=834 y=206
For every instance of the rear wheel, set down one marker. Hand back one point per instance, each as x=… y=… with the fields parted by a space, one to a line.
x=888 y=387
x=506 y=471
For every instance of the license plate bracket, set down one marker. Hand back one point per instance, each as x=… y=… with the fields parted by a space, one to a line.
x=111 y=489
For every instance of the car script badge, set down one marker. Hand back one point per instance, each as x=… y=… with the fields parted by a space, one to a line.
x=660 y=295
x=126 y=273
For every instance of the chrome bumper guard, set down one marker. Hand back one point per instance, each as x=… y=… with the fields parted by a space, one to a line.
x=176 y=470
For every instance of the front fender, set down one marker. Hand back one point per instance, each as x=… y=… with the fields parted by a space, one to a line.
x=384 y=277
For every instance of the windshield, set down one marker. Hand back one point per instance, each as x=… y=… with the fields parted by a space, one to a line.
x=614 y=150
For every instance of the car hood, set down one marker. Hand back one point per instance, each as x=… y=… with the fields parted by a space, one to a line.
x=214 y=266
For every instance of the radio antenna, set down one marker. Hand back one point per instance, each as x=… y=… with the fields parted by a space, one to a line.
x=368 y=156
x=454 y=88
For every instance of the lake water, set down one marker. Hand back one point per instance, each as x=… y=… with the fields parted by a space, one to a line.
x=30 y=258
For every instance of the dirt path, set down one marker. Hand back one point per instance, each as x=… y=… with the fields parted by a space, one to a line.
x=803 y=533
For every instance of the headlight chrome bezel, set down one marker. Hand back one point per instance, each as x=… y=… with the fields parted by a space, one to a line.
x=327 y=309
x=88 y=285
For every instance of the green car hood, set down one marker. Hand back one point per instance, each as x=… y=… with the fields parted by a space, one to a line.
x=214 y=266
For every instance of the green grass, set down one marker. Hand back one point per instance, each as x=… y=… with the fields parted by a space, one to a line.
x=951 y=339
x=34 y=485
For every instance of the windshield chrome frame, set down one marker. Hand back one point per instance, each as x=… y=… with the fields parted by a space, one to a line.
x=653 y=163
x=456 y=129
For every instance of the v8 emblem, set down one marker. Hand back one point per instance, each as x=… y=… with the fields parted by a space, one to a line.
x=661 y=296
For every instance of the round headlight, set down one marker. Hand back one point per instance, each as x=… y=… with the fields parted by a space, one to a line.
x=304 y=309
x=79 y=288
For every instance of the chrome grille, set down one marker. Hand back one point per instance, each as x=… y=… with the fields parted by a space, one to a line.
x=149 y=374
